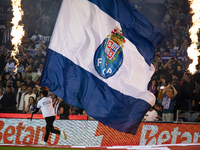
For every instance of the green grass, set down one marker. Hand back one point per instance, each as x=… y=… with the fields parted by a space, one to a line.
x=33 y=148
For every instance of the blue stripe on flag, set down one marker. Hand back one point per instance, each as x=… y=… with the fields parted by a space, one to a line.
x=134 y=26
x=82 y=89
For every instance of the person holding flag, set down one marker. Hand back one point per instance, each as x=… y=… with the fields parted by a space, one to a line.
x=45 y=104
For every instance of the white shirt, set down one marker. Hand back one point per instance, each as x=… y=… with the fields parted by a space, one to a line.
x=26 y=98
x=17 y=97
x=21 y=104
x=10 y=66
x=1 y=97
x=151 y=116
x=45 y=104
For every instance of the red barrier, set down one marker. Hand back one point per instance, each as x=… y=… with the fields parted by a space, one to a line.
x=38 y=116
x=151 y=134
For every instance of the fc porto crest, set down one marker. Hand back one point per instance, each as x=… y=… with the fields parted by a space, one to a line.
x=109 y=56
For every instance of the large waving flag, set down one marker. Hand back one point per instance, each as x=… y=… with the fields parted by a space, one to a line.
x=99 y=59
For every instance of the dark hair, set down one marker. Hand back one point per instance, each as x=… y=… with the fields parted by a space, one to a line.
x=20 y=74
x=55 y=96
x=1 y=87
x=162 y=76
x=8 y=86
x=175 y=74
x=19 y=81
x=44 y=93
x=175 y=81
x=31 y=97
x=29 y=86
x=189 y=75
x=24 y=84
x=43 y=57
x=167 y=50
x=158 y=104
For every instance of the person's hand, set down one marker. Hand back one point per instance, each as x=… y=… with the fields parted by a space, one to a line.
x=175 y=58
x=158 y=88
x=171 y=59
x=193 y=103
x=26 y=70
x=169 y=85
x=36 y=61
x=31 y=115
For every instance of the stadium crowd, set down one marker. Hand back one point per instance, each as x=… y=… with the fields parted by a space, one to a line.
x=174 y=87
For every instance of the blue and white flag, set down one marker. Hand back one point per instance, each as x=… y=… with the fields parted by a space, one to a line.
x=99 y=59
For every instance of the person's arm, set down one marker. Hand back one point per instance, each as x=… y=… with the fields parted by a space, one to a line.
x=34 y=112
x=7 y=56
x=27 y=108
x=155 y=117
x=61 y=111
x=175 y=91
x=70 y=111
x=165 y=66
x=161 y=61
x=24 y=107
x=24 y=75
x=43 y=45
x=36 y=79
x=165 y=89
x=179 y=62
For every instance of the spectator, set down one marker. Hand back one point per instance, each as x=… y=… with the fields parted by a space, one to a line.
x=151 y=115
x=8 y=103
x=153 y=88
x=17 y=93
x=21 y=99
x=29 y=71
x=64 y=109
x=31 y=105
x=160 y=88
x=27 y=57
x=168 y=44
x=1 y=80
x=1 y=92
x=188 y=90
x=10 y=65
x=43 y=59
x=159 y=109
x=31 y=62
x=2 y=59
x=179 y=72
x=175 y=44
x=26 y=97
x=174 y=62
x=166 y=54
x=76 y=110
x=36 y=39
x=30 y=82
x=39 y=69
x=18 y=77
x=179 y=102
x=55 y=103
x=22 y=64
x=168 y=103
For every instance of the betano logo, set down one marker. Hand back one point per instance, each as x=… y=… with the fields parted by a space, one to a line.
x=32 y=135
